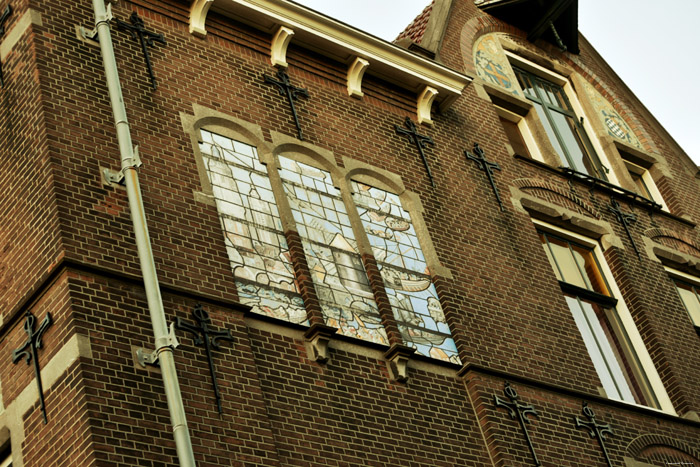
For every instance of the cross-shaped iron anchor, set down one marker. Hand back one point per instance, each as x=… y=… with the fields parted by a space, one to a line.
x=5 y=14
x=207 y=337
x=515 y=408
x=146 y=38
x=487 y=167
x=595 y=429
x=286 y=88
x=28 y=351
x=625 y=219
x=420 y=141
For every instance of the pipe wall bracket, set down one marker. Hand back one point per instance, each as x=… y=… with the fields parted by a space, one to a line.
x=113 y=177
x=151 y=358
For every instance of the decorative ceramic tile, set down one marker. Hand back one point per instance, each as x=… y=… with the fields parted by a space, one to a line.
x=492 y=65
x=616 y=125
x=255 y=243
x=411 y=292
x=331 y=251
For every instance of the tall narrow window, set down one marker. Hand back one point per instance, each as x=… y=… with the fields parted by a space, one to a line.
x=331 y=251
x=252 y=228
x=593 y=307
x=403 y=267
x=690 y=297
x=561 y=124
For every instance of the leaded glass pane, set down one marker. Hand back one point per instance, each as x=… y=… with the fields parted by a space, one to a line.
x=256 y=246
x=642 y=187
x=331 y=252
x=589 y=267
x=403 y=267
x=525 y=83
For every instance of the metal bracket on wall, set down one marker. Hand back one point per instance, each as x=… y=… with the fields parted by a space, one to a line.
x=91 y=35
x=151 y=358
x=285 y=88
x=625 y=219
x=117 y=176
x=419 y=140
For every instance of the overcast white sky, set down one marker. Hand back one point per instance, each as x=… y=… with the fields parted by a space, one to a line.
x=652 y=45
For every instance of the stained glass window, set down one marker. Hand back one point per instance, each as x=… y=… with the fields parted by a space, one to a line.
x=263 y=269
x=256 y=246
x=331 y=251
x=407 y=281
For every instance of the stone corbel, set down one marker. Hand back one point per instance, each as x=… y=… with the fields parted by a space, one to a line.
x=198 y=17
x=425 y=104
x=355 y=73
x=317 y=339
x=278 y=47
x=397 y=358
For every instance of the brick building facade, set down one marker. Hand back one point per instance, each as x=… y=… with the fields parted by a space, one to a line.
x=370 y=296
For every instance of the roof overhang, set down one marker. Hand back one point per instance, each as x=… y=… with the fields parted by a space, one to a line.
x=555 y=21
x=338 y=41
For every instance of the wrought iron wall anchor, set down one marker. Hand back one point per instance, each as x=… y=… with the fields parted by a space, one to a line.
x=146 y=38
x=486 y=166
x=207 y=337
x=419 y=140
x=625 y=219
x=595 y=429
x=285 y=88
x=515 y=408
x=5 y=14
x=28 y=351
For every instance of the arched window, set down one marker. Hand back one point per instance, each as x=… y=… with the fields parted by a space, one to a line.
x=257 y=207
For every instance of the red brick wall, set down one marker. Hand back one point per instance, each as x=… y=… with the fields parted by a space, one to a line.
x=29 y=240
x=501 y=299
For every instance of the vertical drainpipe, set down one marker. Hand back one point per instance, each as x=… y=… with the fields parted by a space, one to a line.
x=143 y=243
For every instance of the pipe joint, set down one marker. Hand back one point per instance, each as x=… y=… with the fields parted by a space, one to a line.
x=132 y=162
x=104 y=18
x=167 y=343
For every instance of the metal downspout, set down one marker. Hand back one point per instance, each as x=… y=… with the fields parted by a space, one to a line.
x=164 y=350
